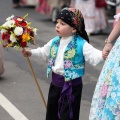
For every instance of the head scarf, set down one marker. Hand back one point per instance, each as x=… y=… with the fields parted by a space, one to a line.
x=74 y=18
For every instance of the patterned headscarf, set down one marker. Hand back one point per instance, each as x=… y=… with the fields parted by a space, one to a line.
x=74 y=18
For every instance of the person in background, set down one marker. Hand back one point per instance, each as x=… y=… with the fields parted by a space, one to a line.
x=66 y=55
x=1 y=61
x=94 y=15
x=16 y=3
x=106 y=99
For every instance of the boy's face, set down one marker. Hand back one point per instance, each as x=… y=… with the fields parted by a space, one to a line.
x=63 y=29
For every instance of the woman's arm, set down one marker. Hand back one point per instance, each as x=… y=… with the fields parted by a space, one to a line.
x=112 y=38
x=115 y=33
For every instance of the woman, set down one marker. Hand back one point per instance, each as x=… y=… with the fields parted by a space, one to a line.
x=95 y=17
x=106 y=100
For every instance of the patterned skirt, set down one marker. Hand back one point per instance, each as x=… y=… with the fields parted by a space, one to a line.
x=106 y=99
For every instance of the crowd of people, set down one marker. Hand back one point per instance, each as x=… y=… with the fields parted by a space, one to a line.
x=67 y=53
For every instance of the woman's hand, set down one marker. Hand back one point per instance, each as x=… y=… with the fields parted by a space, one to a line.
x=106 y=50
x=26 y=52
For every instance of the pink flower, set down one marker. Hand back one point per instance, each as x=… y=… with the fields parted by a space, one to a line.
x=50 y=61
x=104 y=90
x=68 y=63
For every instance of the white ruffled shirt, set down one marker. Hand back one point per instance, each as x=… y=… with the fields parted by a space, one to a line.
x=92 y=55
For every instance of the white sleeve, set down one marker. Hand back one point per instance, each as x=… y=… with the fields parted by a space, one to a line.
x=92 y=55
x=42 y=52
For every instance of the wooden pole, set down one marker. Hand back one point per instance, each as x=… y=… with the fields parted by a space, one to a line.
x=32 y=71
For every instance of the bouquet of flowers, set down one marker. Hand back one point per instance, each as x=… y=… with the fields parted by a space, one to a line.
x=17 y=32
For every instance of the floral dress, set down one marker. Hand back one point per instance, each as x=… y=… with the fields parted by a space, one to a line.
x=106 y=100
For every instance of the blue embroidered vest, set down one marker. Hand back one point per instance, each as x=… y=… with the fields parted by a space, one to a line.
x=73 y=57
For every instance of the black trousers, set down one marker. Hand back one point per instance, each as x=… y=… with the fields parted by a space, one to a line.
x=15 y=1
x=52 y=105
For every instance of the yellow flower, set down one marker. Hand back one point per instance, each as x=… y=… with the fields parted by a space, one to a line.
x=25 y=37
x=70 y=54
x=10 y=45
x=53 y=51
x=108 y=77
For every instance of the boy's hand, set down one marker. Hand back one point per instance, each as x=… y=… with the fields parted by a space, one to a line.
x=26 y=52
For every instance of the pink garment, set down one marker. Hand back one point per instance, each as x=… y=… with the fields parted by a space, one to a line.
x=43 y=7
x=95 y=18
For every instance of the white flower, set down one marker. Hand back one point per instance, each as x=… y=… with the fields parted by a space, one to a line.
x=18 y=31
x=19 y=19
x=3 y=31
x=11 y=23
x=12 y=38
x=10 y=18
x=5 y=25
x=35 y=31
